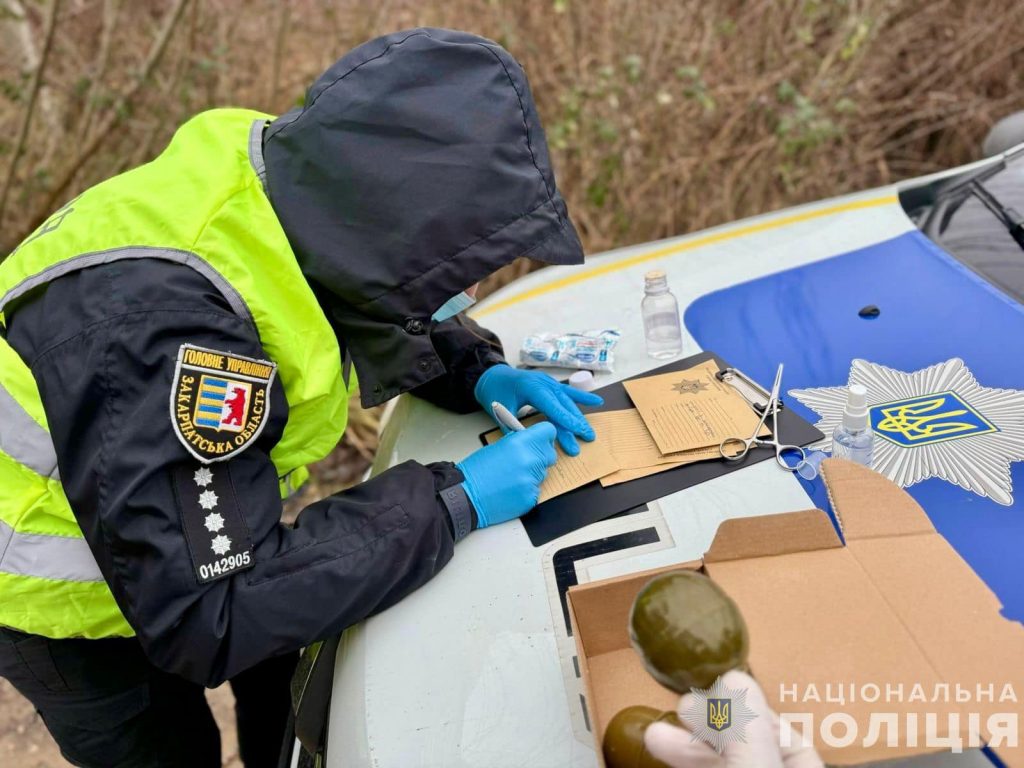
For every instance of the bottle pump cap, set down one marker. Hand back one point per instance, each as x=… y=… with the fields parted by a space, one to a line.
x=855 y=414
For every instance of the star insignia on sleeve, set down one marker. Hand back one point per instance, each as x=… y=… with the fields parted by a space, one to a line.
x=207 y=499
x=203 y=477
x=214 y=522
x=221 y=544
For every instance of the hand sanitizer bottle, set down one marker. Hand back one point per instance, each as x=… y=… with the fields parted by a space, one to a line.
x=853 y=438
x=660 y=311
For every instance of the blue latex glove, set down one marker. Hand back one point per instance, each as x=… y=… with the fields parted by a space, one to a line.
x=515 y=388
x=503 y=480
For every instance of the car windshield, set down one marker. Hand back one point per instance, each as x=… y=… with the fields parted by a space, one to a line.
x=978 y=218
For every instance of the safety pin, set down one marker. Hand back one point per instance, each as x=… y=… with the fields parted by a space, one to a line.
x=751 y=391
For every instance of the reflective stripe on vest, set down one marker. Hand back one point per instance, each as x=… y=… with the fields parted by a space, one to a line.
x=23 y=440
x=67 y=558
x=64 y=558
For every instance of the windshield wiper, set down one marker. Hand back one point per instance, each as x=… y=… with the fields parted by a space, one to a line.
x=1009 y=217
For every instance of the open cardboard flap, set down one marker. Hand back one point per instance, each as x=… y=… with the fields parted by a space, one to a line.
x=893 y=606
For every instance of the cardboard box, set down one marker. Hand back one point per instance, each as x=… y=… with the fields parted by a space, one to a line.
x=892 y=605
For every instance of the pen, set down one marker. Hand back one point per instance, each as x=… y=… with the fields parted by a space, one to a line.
x=505 y=417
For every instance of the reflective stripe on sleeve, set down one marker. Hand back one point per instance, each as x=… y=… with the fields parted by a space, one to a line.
x=259 y=166
x=85 y=260
x=64 y=558
x=23 y=439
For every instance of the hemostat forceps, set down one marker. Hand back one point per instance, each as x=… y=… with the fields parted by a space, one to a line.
x=736 y=448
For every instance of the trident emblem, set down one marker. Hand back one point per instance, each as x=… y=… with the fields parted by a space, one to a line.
x=924 y=420
x=719 y=714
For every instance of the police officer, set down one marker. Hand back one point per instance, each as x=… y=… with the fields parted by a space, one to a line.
x=180 y=341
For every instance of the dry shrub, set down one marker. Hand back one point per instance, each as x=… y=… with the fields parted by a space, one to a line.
x=663 y=117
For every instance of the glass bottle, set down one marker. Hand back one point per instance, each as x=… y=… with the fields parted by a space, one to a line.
x=660 y=312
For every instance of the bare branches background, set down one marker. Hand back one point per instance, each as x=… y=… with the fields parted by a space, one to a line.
x=38 y=68
x=664 y=117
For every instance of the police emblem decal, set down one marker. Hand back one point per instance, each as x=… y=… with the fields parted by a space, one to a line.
x=935 y=422
x=220 y=401
x=718 y=715
x=689 y=386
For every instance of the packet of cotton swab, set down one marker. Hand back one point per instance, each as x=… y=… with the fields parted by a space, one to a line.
x=589 y=350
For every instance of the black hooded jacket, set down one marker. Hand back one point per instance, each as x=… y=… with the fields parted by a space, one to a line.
x=417 y=167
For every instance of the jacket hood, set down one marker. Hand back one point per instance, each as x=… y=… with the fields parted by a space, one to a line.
x=417 y=167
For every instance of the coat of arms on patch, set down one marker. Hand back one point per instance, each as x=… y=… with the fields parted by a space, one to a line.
x=219 y=401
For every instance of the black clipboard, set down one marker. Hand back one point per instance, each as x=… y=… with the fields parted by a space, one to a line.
x=592 y=503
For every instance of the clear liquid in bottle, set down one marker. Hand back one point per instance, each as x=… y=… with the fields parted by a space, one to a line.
x=660 y=312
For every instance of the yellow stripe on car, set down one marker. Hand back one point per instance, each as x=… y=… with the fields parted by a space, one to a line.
x=688 y=245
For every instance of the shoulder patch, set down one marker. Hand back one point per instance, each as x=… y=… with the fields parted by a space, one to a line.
x=220 y=401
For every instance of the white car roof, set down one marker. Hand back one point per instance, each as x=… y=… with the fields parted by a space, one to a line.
x=475 y=669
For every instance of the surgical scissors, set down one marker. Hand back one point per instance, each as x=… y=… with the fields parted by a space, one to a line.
x=772 y=407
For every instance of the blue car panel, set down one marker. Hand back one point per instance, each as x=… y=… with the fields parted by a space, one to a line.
x=819 y=319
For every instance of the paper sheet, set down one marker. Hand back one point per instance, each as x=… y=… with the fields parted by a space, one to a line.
x=679 y=459
x=631 y=443
x=625 y=475
x=626 y=449
x=633 y=454
x=690 y=409
x=569 y=472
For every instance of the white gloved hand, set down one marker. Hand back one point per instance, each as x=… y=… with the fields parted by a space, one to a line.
x=676 y=746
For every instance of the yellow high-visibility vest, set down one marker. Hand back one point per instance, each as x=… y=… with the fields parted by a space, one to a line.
x=201 y=203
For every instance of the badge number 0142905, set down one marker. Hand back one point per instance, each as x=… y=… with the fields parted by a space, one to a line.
x=218 y=538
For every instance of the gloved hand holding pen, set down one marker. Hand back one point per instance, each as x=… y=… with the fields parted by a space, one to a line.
x=503 y=480
x=514 y=388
